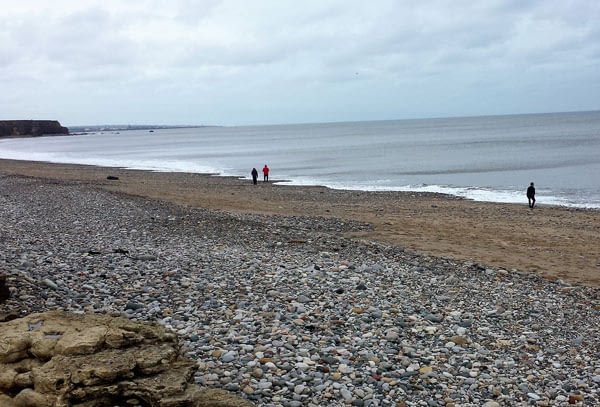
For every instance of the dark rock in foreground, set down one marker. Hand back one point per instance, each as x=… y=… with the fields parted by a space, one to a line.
x=18 y=128
x=61 y=359
x=4 y=291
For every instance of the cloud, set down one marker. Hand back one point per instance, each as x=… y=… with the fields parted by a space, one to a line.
x=305 y=61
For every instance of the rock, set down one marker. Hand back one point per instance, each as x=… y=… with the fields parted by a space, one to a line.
x=4 y=291
x=299 y=389
x=303 y=299
x=391 y=335
x=146 y=257
x=49 y=283
x=434 y=318
x=459 y=340
x=346 y=394
x=229 y=356
x=134 y=306
x=29 y=397
x=65 y=359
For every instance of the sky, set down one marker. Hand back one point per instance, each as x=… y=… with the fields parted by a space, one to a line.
x=240 y=62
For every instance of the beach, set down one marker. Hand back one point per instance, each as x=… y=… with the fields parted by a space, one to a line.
x=554 y=242
x=305 y=296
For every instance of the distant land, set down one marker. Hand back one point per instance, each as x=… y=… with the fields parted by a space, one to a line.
x=118 y=127
x=36 y=128
x=31 y=128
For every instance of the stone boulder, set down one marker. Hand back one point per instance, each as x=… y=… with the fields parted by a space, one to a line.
x=59 y=359
x=4 y=291
x=18 y=128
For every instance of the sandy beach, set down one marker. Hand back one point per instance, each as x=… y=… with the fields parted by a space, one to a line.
x=556 y=242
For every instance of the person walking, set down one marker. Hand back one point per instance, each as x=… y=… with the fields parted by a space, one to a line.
x=254 y=176
x=531 y=195
x=265 y=173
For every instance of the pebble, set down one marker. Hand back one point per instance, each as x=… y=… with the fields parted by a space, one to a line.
x=49 y=283
x=287 y=311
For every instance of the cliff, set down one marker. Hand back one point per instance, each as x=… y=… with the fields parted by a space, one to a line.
x=19 y=128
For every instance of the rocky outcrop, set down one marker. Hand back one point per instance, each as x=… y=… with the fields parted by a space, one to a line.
x=59 y=359
x=19 y=128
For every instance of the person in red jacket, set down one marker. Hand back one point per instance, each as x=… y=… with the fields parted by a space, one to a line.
x=265 y=173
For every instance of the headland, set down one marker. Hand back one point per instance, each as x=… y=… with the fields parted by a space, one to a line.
x=31 y=128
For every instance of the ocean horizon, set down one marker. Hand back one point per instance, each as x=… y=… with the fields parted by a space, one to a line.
x=483 y=158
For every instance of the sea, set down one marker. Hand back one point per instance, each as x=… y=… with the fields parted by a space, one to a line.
x=483 y=158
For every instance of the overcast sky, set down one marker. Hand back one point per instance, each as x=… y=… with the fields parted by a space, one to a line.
x=228 y=62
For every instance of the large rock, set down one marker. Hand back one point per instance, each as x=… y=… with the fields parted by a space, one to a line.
x=4 y=291
x=58 y=359
x=17 y=128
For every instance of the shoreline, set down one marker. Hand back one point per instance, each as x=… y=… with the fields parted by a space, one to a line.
x=553 y=241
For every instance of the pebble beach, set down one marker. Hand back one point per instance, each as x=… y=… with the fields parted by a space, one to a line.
x=297 y=309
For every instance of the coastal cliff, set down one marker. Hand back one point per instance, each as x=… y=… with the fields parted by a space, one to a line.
x=20 y=128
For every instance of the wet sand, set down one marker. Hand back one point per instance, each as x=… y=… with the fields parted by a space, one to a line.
x=556 y=242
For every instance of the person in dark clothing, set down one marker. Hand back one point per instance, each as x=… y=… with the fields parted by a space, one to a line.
x=254 y=176
x=531 y=195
